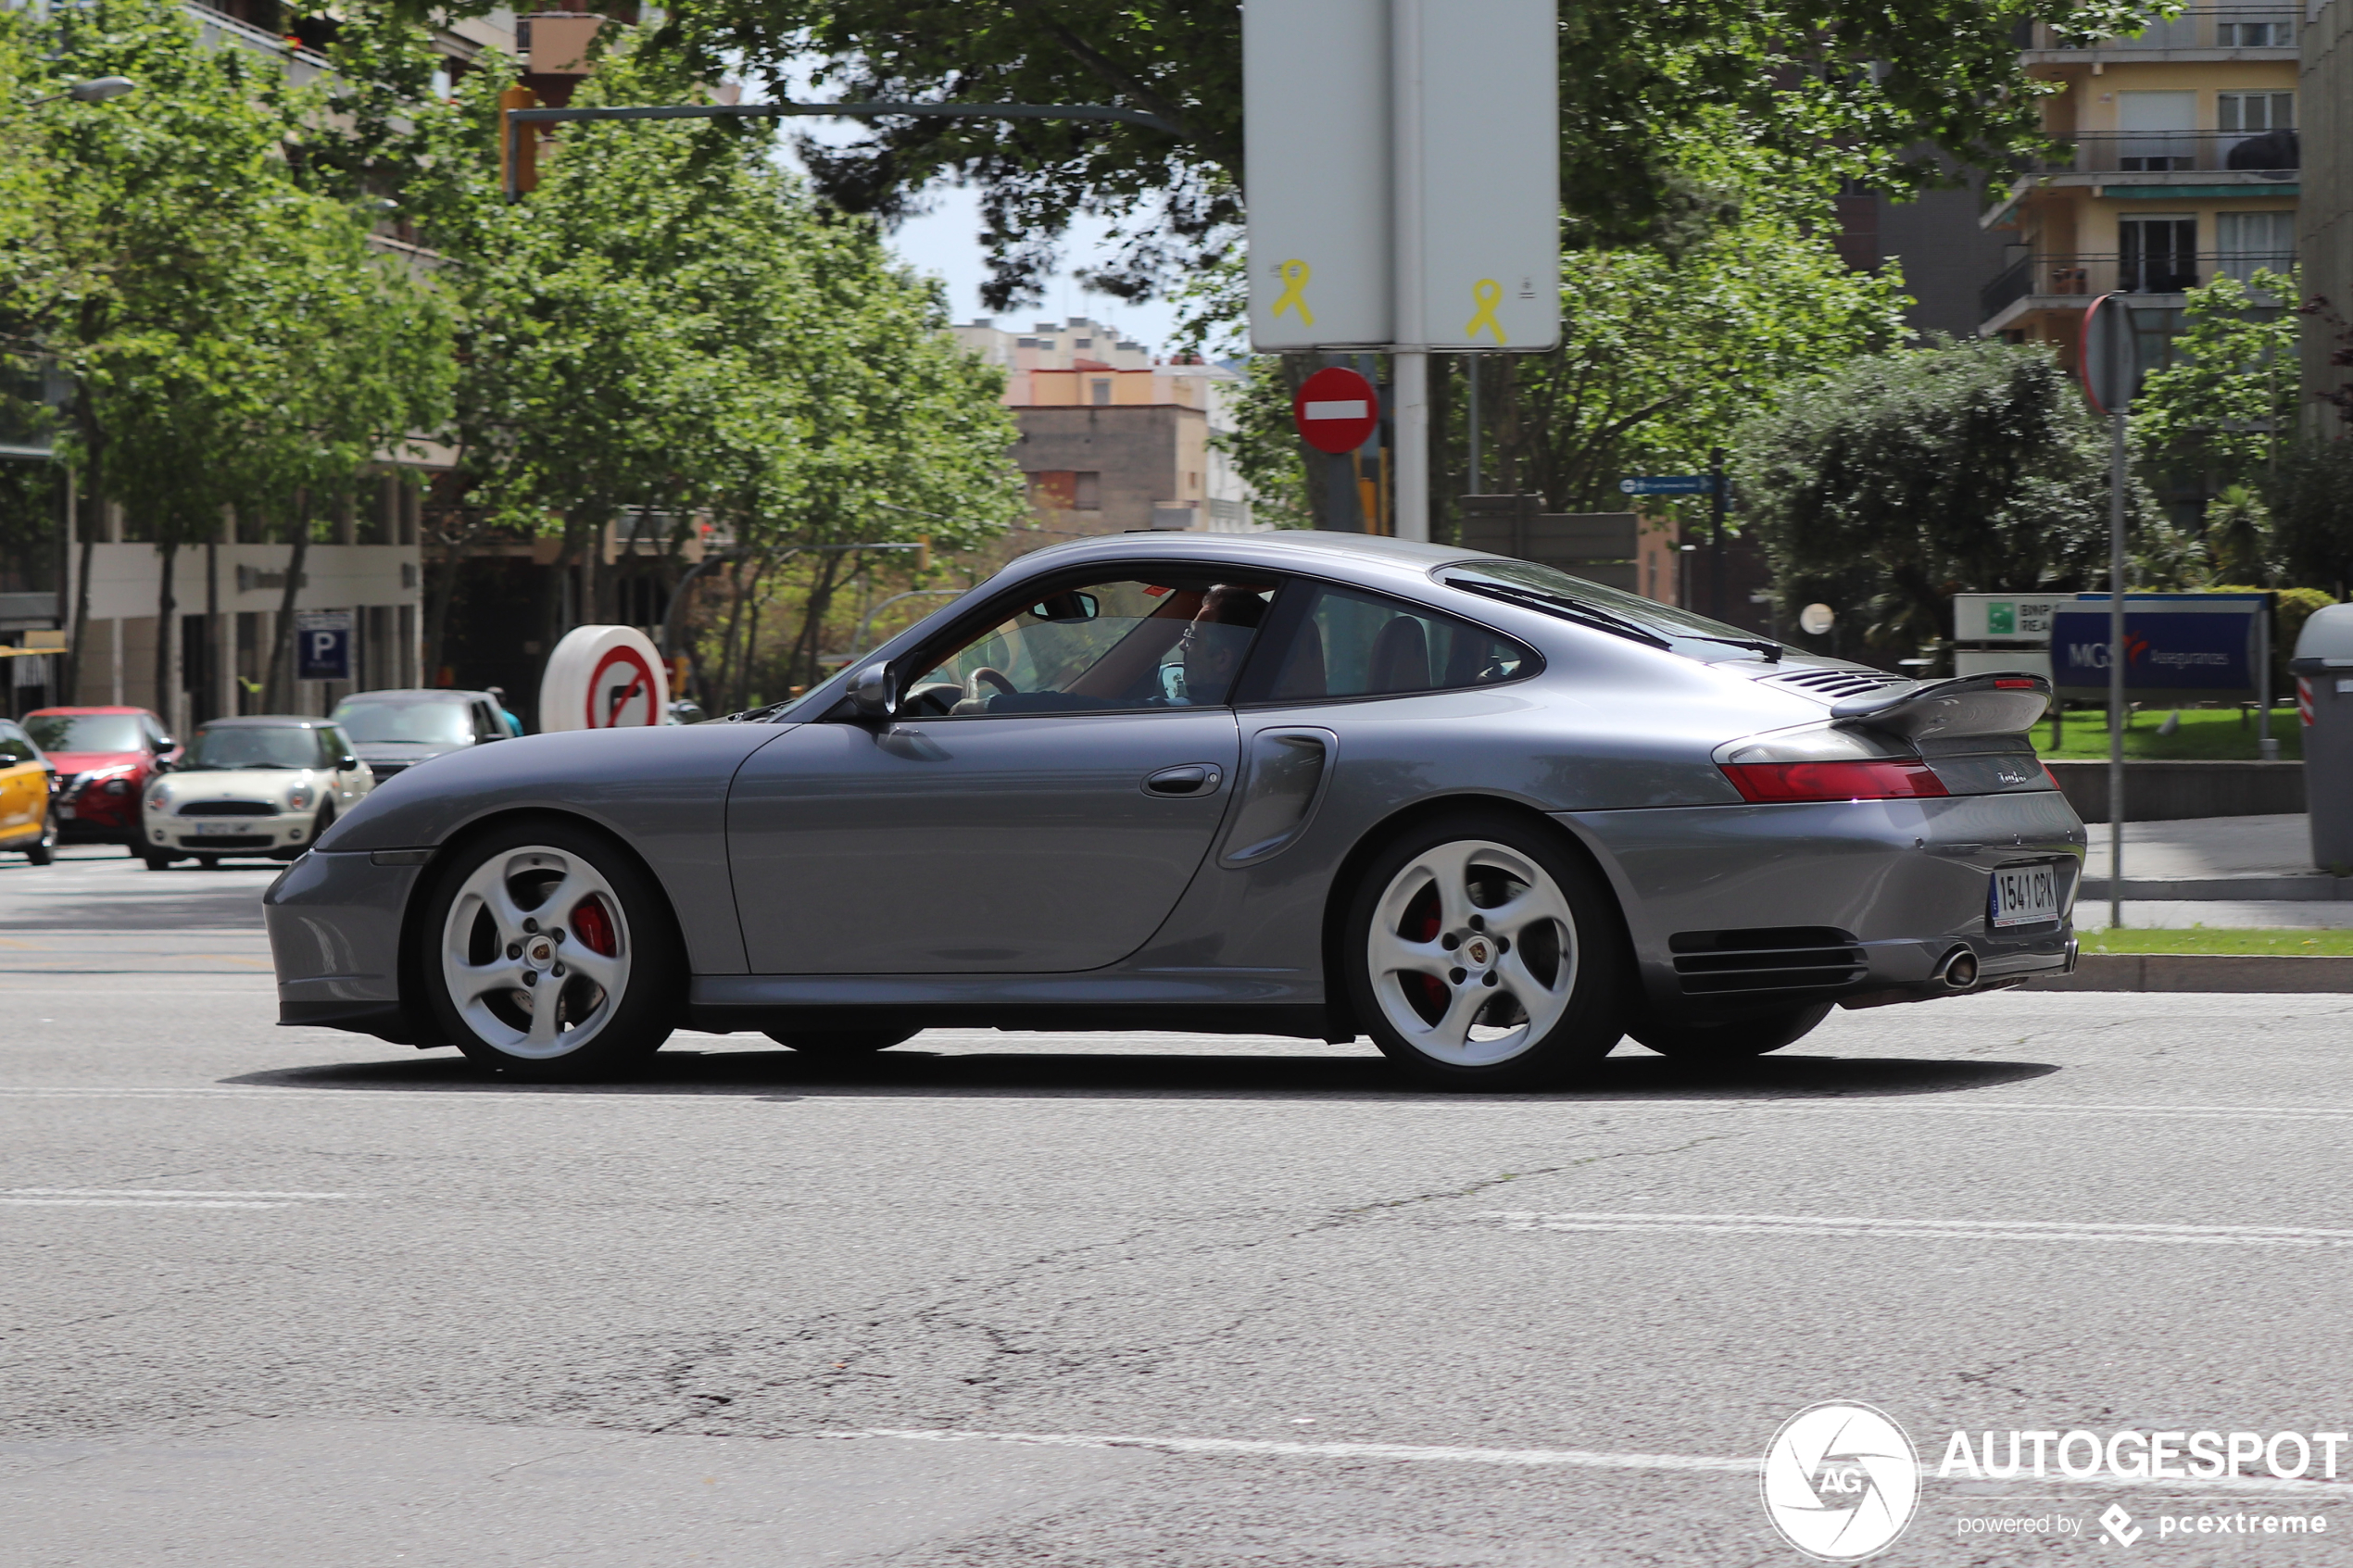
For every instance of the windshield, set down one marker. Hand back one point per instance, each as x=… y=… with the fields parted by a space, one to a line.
x=1611 y=610
x=411 y=723
x=255 y=746
x=86 y=732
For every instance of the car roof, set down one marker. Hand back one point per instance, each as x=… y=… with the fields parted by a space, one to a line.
x=435 y=693
x=77 y=712
x=268 y=721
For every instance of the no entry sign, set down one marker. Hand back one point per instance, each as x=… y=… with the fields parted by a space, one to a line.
x=1336 y=410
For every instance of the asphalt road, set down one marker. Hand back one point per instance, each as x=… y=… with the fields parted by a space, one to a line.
x=273 y=1296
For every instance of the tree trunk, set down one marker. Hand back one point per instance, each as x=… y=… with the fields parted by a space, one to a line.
x=93 y=495
x=209 y=693
x=279 y=697
x=166 y=609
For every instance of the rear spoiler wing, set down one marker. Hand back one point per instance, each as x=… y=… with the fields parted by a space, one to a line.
x=1965 y=705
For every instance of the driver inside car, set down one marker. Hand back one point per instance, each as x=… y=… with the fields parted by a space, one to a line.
x=1213 y=642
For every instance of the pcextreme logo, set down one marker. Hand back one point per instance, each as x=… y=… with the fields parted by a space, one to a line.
x=1841 y=1481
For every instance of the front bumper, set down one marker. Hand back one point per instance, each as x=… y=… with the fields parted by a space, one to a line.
x=1861 y=902
x=286 y=832
x=335 y=922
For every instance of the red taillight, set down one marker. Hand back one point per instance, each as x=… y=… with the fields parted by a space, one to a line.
x=1777 y=782
x=2053 y=777
x=2013 y=685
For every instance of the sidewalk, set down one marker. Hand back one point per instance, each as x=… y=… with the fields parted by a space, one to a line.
x=2233 y=860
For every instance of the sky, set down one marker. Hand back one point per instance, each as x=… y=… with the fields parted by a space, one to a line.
x=946 y=241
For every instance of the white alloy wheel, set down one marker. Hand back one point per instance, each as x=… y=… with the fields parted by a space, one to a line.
x=536 y=952
x=1472 y=953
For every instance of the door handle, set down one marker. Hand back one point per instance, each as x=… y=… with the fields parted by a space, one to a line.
x=1192 y=778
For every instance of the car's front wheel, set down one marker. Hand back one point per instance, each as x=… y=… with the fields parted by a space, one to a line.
x=554 y=954
x=1482 y=953
x=43 y=850
x=1734 y=1040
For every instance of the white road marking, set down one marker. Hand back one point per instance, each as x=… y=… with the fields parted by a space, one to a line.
x=1979 y=1230
x=132 y=1203
x=153 y=1192
x=1586 y=1459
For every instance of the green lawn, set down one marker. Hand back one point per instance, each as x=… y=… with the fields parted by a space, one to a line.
x=2205 y=734
x=2201 y=939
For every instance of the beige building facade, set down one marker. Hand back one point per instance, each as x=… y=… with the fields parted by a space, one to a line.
x=2325 y=86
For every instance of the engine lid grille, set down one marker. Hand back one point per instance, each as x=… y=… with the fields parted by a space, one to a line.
x=1836 y=684
x=1768 y=959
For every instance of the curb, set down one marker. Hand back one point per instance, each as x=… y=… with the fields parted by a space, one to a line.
x=2307 y=886
x=2201 y=972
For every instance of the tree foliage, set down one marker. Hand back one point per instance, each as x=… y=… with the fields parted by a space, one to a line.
x=2211 y=419
x=1842 y=89
x=2311 y=504
x=1885 y=487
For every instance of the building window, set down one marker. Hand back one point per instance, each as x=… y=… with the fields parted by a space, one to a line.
x=2245 y=240
x=1061 y=490
x=2253 y=35
x=2156 y=131
x=1102 y=393
x=2156 y=255
x=1087 y=491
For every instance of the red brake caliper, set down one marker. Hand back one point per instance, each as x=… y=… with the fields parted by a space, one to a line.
x=593 y=925
x=1421 y=925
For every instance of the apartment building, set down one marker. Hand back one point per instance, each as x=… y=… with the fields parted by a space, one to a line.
x=2181 y=164
x=1114 y=438
x=2325 y=87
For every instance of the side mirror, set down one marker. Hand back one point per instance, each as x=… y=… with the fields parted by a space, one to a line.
x=164 y=743
x=874 y=692
x=346 y=764
x=1067 y=606
x=163 y=764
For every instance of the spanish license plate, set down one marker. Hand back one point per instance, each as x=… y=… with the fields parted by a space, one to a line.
x=223 y=829
x=2024 y=896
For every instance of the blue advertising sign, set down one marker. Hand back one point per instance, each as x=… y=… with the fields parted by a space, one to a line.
x=323 y=644
x=1667 y=485
x=2202 y=644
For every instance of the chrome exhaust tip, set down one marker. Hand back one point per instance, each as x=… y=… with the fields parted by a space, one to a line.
x=1959 y=971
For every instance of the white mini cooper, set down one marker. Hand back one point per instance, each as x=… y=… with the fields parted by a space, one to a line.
x=252 y=787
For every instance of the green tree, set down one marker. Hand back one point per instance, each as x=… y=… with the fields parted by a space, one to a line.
x=1889 y=485
x=2311 y=503
x=1841 y=88
x=2213 y=418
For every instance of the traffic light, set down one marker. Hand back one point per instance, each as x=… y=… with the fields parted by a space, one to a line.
x=517 y=144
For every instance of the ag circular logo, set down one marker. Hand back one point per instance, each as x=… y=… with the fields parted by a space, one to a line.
x=1841 y=1481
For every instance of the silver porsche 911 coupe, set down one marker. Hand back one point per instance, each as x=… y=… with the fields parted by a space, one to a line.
x=1492 y=815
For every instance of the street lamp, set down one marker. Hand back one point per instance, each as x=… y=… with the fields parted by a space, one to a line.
x=97 y=90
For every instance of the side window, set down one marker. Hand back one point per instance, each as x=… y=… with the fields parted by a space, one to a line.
x=333 y=745
x=14 y=747
x=485 y=727
x=1350 y=643
x=1122 y=642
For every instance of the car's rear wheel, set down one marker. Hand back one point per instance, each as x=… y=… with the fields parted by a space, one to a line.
x=1482 y=953
x=207 y=862
x=555 y=954
x=156 y=862
x=841 y=1042
x=43 y=850
x=1737 y=1039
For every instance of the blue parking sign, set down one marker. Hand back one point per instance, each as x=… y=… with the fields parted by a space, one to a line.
x=323 y=644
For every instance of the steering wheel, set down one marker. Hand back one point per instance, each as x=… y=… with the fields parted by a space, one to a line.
x=994 y=676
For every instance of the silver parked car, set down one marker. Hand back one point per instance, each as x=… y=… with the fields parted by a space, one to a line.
x=1493 y=816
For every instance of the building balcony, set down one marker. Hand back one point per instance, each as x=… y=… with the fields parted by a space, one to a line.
x=2199 y=31
x=2175 y=152
x=2073 y=282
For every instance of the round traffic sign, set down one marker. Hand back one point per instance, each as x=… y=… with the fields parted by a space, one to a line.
x=2105 y=354
x=1335 y=409
x=603 y=678
x=1815 y=620
x=621 y=691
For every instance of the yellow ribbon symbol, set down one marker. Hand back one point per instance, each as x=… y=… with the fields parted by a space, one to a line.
x=1294 y=275
x=1490 y=293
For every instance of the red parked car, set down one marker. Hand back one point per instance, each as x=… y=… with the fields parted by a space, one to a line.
x=104 y=757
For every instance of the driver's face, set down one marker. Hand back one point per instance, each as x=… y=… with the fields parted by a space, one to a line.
x=1212 y=650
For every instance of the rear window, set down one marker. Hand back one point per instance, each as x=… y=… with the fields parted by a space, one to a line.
x=1606 y=608
x=426 y=723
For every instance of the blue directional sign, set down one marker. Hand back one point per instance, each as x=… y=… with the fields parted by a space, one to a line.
x=1667 y=485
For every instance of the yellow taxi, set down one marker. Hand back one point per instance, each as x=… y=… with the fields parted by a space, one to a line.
x=27 y=823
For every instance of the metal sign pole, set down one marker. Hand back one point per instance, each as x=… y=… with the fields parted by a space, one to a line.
x=2116 y=671
x=1715 y=534
x=1409 y=372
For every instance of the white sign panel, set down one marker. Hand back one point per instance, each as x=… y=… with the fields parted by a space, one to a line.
x=1403 y=172
x=1487 y=123
x=603 y=678
x=2005 y=617
x=1317 y=151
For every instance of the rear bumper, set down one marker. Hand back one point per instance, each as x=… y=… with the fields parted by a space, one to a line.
x=1888 y=892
